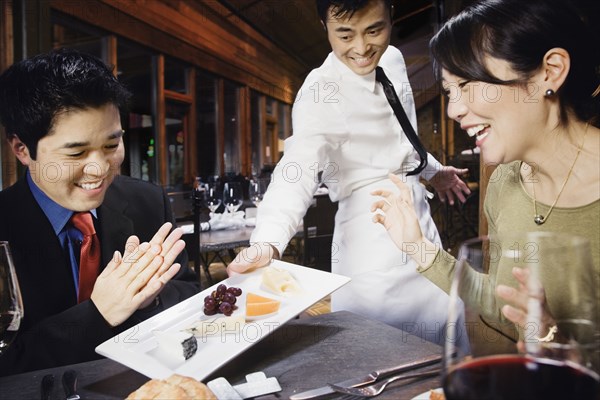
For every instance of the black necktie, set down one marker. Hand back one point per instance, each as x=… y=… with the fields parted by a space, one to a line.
x=392 y=98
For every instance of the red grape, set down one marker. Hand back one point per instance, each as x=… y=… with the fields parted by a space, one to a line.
x=229 y=298
x=222 y=300
x=210 y=312
x=210 y=303
x=225 y=308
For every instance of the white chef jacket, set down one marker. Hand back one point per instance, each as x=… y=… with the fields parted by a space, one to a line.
x=344 y=126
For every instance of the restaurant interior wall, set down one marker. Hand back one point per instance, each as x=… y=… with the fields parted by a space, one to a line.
x=128 y=30
x=200 y=74
x=191 y=110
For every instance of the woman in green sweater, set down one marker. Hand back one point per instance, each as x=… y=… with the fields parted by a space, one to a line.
x=523 y=79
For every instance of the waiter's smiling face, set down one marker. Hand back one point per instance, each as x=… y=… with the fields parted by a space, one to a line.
x=359 y=40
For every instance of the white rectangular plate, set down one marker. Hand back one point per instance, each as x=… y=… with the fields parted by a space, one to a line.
x=137 y=346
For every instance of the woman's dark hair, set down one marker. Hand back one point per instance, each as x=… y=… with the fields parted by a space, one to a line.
x=521 y=32
x=343 y=7
x=34 y=91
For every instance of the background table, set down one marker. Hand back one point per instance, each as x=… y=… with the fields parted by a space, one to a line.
x=212 y=244
x=303 y=354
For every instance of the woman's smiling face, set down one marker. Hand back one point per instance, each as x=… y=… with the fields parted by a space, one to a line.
x=504 y=119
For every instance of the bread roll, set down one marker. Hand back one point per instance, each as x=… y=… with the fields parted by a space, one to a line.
x=193 y=388
x=175 y=387
x=435 y=395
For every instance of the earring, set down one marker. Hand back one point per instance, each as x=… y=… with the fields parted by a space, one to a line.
x=549 y=93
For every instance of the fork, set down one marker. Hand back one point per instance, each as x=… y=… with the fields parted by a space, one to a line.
x=47 y=385
x=378 y=387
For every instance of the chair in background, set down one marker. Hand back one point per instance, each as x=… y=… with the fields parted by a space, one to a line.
x=181 y=204
x=187 y=206
x=319 y=222
x=198 y=204
x=460 y=221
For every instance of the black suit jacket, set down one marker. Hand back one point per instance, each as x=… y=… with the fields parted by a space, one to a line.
x=56 y=330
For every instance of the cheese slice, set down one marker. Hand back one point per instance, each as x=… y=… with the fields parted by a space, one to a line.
x=259 y=306
x=179 y=345
x=279 y=281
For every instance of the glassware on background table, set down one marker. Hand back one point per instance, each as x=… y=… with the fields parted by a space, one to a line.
x=11 y=304
x=232 y=196
x=213 y=196
x=492 y=367
x=257 y=190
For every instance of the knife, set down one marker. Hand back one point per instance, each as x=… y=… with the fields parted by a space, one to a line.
x=369 y=378
x=69 y=382
x=47 y=385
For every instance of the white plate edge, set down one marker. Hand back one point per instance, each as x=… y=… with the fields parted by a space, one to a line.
x=114 y=348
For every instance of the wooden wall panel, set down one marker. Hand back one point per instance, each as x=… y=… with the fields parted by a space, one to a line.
x=9 y=163
x=161 y=127
x=191 y=169
x=200 y=35
x=245 y=131
x=221 y=125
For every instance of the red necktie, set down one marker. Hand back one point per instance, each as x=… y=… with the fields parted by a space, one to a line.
x=89 y=259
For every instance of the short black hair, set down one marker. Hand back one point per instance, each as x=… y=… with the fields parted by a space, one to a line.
x=35 y=90
x=521 y=32
x=344 y=7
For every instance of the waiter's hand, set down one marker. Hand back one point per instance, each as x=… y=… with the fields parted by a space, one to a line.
x=449 y=186
x=256 y=256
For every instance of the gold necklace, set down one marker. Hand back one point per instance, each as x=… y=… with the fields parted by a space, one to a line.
x=539 y=219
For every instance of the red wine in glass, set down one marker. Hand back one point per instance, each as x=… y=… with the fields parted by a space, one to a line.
x=11 y=303
x=513 y=377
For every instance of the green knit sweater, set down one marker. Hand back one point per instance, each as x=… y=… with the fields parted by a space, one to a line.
x=509 y=209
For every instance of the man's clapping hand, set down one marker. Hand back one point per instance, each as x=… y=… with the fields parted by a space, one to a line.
x=132 y=280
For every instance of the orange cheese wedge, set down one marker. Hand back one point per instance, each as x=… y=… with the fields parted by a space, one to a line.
x=258 y=306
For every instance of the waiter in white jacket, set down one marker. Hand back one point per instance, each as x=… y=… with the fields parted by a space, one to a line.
x=344 y=127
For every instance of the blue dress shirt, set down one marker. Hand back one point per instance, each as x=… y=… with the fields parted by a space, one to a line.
x=70 y=238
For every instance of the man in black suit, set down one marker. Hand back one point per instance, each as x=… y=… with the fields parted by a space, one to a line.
x=61 y=114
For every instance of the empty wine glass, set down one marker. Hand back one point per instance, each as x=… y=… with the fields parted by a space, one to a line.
x=11 y=304
x=213 y=200
x=552 y=353
x=257 y=190
x=232 y=196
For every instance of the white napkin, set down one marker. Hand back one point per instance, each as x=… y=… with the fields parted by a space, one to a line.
x=227 y=221
x=187 y=228
x=251 y=216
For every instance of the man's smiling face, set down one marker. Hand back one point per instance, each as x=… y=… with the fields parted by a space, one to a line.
x=77 y=161
x=360 y=41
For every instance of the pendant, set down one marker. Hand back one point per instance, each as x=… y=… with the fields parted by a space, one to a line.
x=539 y=219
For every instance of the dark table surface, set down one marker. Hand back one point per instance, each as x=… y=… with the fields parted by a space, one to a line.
x=226 y=239
x=303 y=354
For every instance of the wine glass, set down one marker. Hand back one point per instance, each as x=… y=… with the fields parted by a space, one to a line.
x=553 y=352
x=213 y=200
x=257 y=190
x=11 y=304
x=232 y=196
